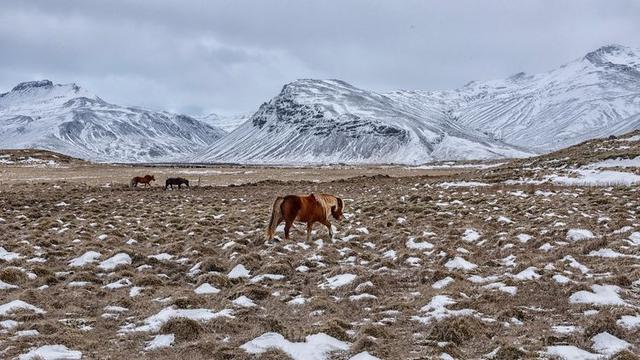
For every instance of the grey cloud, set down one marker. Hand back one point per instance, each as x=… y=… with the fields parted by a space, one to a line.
x=229 y=56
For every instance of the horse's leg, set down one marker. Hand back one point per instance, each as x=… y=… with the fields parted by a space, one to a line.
x=328 y=225
x=287 y=227
x=309 y=227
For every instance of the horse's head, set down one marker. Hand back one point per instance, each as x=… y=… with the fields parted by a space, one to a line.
x=151 y=178
x=336 y=210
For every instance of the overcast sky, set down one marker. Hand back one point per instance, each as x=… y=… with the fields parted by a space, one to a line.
x=230 y=56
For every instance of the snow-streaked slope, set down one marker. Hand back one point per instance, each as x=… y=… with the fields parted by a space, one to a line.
x=227 y=123
x=316 y=121
x=330 y=121
x=594 y=96
x=70 y=120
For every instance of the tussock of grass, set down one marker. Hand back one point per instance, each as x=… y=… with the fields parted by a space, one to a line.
x=509 y=353
x=625 y=355
x=13 y=276
x=456 y=329
x=184 y=329
x=604 y=321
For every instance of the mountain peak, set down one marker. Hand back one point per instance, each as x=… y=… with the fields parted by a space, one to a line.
x=614 y=54
x=44 y=95
x=612 y=48
x=43 y=90
x=317 y=83
x=32 y=85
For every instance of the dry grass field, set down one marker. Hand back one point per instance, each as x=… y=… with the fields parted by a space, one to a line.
x=40 y=166
x=453 y=263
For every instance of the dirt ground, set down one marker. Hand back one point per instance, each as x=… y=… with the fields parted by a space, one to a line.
x=400 y=243
x=118 y=175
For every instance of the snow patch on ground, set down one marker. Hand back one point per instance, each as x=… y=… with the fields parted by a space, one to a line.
x=51 y=352
x=243 y=301
x=471 y=235
x=502 y=287
x=239 y=271
x=460 y=263
x=529 y=273
x=315 y=347
x=7 y=286
x=436 y=309
x=440 y=284
x=8 y=255
x=15 y=305
x=629 y=322
x=596 y=178
x=612 y=163
x=423 y=245
x=338 y=281
x=206 y=288
x=608 y=344
x=601 y=295
x=579 y=234
x=115 y=261
x=364 y=356
x=154 y=323
x=160 y=341
x=463 y=184
x=84 y=259
x=570 y=352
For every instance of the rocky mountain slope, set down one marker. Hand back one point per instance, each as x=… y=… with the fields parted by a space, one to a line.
x=227 y=123
x=330 y=121
x=71 y=120
x=594 y=96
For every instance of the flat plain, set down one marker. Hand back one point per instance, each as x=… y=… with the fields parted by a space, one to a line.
x=505 y=261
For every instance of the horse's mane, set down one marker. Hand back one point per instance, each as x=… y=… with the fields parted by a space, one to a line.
x=326 y=201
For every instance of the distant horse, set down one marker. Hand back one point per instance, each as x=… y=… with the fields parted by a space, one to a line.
x=310 y=209
x=176 y=181
x=146 y=180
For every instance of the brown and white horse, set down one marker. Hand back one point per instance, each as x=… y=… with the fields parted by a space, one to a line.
x=310 y=209
x=146 y=180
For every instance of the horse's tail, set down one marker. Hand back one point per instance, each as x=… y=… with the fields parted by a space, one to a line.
x=132 y=183
x=276 y=216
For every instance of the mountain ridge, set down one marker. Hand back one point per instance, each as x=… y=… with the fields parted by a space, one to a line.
x=595 y=95
x=328 y=121
x=331 y=121
x=69 y=119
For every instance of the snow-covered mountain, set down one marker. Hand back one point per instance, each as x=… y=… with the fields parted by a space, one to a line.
x=71 y=120
x=227 y=123
x=330 y=121
x=594 y=96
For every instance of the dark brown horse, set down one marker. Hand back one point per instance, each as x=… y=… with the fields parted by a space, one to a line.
x=176 y=181
x=310 y=209
x=146 y=180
